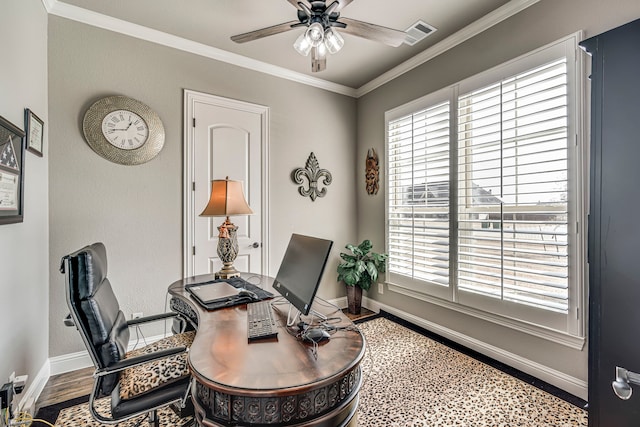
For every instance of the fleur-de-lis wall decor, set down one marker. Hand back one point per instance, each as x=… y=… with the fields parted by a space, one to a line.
x=313 y=173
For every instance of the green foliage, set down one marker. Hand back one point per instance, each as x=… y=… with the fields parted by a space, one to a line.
x=361 y=267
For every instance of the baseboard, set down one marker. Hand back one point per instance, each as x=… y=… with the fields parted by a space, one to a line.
x=70 y=362
x=28 y=399
x=81 y=359
x=577 y=387
x=568 y=383
x=339 y=302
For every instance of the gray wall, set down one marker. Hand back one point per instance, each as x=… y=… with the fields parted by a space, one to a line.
x=137 y=210
x=24 y=300
x=542 y=23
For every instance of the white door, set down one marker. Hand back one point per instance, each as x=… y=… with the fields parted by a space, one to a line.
x=225 y=138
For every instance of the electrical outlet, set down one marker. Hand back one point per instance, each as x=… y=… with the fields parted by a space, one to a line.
x=19 y=383
x=137 y=315
x=381 y=288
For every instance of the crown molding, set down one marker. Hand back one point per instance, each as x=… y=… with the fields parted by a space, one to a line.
x=471 y=30
x=74 y=13
x=48 y=4
x=78 y=14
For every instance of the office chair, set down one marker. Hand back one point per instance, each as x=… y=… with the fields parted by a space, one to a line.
x=141 y=381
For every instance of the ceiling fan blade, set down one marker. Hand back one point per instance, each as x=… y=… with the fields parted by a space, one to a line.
x=374 y=32
x=318 y=60
x=265 y=32
x=342 y=5
x=295 y=3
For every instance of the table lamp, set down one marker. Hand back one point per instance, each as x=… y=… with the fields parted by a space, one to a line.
x=227 y=200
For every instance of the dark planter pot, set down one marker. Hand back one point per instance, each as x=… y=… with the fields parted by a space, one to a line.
x=354 y=298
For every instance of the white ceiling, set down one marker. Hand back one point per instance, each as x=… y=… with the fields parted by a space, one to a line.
x=212 y=23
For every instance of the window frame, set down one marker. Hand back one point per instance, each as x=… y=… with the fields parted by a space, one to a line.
x=443 y=95
x=570 y=328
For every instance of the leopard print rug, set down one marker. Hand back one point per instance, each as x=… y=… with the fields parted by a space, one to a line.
x=80 y=416
x=410 y=380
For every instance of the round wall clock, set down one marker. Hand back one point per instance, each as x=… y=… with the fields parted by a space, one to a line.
x=123 y=130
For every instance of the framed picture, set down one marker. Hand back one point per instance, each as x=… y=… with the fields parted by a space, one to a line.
x=34 y=128
x=12 y=149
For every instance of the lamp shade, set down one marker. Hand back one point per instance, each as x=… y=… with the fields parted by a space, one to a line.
x=226 y=199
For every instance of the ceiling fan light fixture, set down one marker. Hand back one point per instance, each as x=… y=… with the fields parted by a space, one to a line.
x=319 y=36
x=302 y=45
x=319 y=53
x=333 y=40
x=315 y=34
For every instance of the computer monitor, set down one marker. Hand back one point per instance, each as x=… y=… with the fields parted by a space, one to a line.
x=301 y=270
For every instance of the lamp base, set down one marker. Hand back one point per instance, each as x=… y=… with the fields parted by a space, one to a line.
x=227 y=250
x=227 y=272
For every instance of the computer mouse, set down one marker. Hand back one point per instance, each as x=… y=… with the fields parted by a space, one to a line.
x=316 y=335
x=248 y=293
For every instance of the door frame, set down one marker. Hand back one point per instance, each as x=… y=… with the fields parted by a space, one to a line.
x=191 y=98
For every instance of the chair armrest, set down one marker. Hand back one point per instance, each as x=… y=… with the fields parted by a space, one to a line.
x=152 y=318
x=139 y=360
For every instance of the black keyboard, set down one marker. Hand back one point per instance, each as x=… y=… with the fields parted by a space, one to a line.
x=260 y=321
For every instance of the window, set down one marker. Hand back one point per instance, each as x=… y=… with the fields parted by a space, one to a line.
x=419 y=194
x=484 y=205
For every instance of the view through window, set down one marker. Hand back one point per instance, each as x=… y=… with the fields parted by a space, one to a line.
x=481 y=198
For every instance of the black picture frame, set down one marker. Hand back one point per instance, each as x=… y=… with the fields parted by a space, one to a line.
x=34 y=129
x=12 y=150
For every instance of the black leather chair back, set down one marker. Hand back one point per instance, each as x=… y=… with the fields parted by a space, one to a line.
x=95 y=309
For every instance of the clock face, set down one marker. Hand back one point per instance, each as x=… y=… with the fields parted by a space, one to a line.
x=125 y=129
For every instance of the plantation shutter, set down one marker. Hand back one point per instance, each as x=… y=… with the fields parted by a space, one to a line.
x=512 y=189
x=418 y=192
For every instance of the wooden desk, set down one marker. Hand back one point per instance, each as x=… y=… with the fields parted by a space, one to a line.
x=268 y=382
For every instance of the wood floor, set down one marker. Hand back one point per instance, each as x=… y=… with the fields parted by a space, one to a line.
x=63 y=387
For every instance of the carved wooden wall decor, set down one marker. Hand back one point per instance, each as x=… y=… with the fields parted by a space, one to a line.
x=313 y=173
x=372 y=174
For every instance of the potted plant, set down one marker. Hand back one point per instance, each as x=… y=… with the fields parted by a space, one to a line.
x=359 y=270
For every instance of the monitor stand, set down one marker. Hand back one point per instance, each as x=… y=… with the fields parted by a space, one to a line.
x=293 y=321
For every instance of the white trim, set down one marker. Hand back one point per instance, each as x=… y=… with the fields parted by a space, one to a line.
x=81 y=359
x=339 y=302
x=49 y=4
x=558 y=337
x=570 y=384
x=568 y=329
x=109 y=23
x=70 y=362
x=489 y=20
x=75 y=13
x=32 y=393
x=191 y=98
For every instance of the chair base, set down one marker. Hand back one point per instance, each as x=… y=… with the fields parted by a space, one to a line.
x=154 y=421
x=187 y=411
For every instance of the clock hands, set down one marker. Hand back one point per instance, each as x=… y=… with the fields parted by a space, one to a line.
x=125 y=129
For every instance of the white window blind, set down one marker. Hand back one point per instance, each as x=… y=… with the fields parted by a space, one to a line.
x=512 y=189
x=486 y=187
x=418 y=191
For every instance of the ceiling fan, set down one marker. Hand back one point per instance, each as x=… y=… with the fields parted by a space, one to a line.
x=319 y=37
